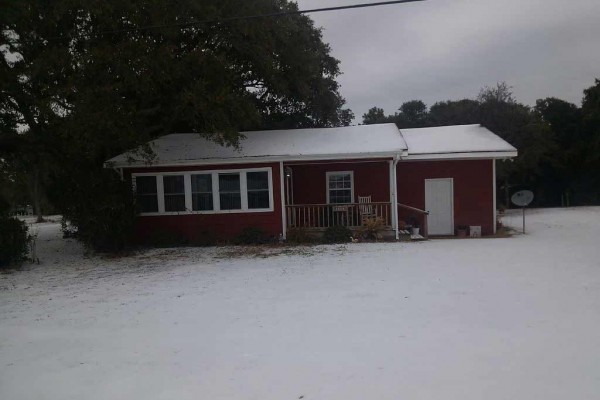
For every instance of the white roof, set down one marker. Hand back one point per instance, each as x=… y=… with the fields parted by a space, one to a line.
x=362 y=141
x=454 y=141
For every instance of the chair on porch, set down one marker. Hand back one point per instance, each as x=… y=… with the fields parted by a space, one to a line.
x=365 y=208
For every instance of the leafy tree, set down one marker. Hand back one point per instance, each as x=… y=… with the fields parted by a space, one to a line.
x=590 y=109
x=413 y=114
x=82 y=82
x=375 y=115
x=459 y=112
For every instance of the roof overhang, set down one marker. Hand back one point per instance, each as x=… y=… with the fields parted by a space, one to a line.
x=462 y=156
x=252 y=160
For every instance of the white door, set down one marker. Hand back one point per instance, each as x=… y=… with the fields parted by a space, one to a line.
x=439 y=202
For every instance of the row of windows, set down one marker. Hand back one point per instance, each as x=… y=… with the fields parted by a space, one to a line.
x=204 y=191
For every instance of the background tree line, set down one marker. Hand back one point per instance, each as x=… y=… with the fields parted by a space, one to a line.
x=558 y=142
x=81 y=82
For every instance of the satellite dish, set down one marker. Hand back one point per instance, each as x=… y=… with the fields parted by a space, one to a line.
x=522 y=198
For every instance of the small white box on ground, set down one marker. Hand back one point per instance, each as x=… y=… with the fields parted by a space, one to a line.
x=475 y=230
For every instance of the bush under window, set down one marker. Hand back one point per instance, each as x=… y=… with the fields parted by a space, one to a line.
x=14 y=241
x=337 y=234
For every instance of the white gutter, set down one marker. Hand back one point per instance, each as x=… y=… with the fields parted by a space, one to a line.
x=249 y=160
x=395 y=194
x=283 y=210
x=494 y=194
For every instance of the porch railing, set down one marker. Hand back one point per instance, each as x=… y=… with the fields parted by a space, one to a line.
x=326 y=215
x=422 y=213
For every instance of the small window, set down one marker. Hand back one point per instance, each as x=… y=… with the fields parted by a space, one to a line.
x=202 y=193
x=230 y=197
x=258 y=189
x=146 y=194
x=339 y=186
x=174 y=190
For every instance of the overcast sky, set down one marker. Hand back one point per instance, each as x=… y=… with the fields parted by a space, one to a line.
x=449 y=49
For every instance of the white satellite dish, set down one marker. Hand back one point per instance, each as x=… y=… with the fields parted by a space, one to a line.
x=522 y=198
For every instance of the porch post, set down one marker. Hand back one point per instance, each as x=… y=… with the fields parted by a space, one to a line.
x=494 y=194
x=394 y=197
x=282 y=191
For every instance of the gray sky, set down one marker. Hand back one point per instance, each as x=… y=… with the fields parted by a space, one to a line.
x=449 y=49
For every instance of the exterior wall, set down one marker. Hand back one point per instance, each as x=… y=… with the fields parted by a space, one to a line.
x=223 y=225
x=310 y=181
x=473 y=189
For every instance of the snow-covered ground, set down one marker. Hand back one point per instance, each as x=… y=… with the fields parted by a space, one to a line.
x=512 y=318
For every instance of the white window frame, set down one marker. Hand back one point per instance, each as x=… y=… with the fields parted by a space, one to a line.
x=332 y=173
x=187 y=180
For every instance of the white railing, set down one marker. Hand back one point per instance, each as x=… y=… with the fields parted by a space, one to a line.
x=326 y=215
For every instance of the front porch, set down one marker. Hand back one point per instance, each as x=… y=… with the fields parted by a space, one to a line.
x=353 y=193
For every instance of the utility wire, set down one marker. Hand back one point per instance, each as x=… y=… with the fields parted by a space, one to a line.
x=248 y=17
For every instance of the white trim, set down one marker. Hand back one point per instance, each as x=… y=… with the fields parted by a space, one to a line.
x=394 y=196
x=250 y=160
x=282 y=194
x=318 y=157
x=329 y=173
x=451 y=199
x=215 y=191
x=461 y=156
x=494 y=190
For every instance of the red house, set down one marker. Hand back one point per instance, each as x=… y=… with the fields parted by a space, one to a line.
x=438 y=178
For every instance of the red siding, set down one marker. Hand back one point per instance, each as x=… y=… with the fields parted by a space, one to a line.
x=224 y=226
x=370 y=179
x=473 y=188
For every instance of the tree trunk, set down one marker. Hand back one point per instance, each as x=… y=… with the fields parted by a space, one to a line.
x=36 y=194
x=506 y=195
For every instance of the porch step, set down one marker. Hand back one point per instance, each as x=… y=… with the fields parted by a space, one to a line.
x=417 y=237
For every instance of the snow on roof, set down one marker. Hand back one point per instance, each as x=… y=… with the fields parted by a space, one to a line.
x=454 y=139
x=362 y=141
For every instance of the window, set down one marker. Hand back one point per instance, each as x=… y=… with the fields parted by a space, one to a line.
x=146 y=194
x=340 y=187
x=258 y=189
x=215 y=191
x=174 y=191
x=202 y=193
x=230 y=195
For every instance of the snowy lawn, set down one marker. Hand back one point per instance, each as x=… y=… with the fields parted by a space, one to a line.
x=513 y=318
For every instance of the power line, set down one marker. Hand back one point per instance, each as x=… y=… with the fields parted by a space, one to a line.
x=248 y=17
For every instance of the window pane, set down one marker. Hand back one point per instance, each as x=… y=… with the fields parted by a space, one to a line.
x=229 y=183
x=340 y=196
x=202 y=201
x=202 y=196
x=258 y=180
x=174 y=202
x=340 y=188
x=173 y=184
x=146 y=194
x=230 y=201
x=147 y=203
x=229 y=192
x=174 y=193
x=258 y=199
x=202 y=183
x=145 y=184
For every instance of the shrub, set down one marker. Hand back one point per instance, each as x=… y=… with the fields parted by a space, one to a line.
x=251 y=235
x=14 y=241
x=298 y=236
x=101 y=210
x=164 y=238
x=372 y=228
x=337 y=234
x=205 y=238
